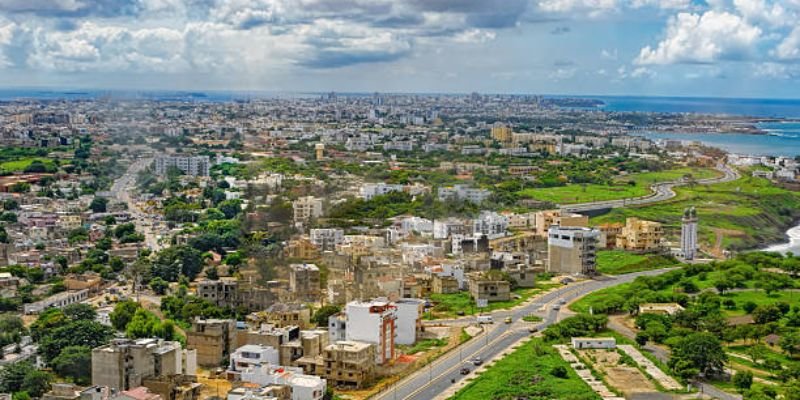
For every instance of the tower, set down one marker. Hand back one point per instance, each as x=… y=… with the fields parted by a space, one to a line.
x=319 y=148
x=689 y=233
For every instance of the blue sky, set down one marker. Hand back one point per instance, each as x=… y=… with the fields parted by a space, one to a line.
x=727 y=48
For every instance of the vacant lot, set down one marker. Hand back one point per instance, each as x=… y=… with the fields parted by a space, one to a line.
x=615 y=262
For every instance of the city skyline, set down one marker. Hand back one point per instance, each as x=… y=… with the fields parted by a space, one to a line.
x=739 y=48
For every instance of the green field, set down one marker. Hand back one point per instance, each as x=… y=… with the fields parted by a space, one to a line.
x=746 y=213
x=621 y=188
x=615 y=262
x=21 y=164
x=525 y=374
x=451 y=305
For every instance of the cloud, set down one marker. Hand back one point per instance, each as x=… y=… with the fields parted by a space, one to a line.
x=560 y=30
x=72 y=8
x=789 y=48
x=706 y=38
x=662 y=4
x=475 y=36
x=761 y=11
x=772 y=70
x=332 y=44
x=592 y=8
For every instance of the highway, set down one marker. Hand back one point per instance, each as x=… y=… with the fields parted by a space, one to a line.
x=435 y=378
x=121 y=191
x=660 y=192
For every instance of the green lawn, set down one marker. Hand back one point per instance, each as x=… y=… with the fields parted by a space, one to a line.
x=21 y=164
x=760 y=297
x=525 y=373
x=621 y=188
x=615 y=262
x=449 y=305
x=423 y=345
x=749 y=212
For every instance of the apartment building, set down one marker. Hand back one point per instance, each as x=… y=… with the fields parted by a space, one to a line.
x=125 y=363
x=58 y=300
x=373 y=322
x=483 y=288
x=251 y=355
x=304 y=282
x=326 y=239
x=463 y=193
x=190 y=165
x=572 y=250
x=213 y=339
x=545 y=219
x=302 y=386
x=370 y=190
x=306 y=209
x=348 y=364
x=640 y=235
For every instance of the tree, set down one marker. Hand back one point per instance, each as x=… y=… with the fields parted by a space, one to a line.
x=789 y=343
x=10 y=204
x=321 y=316
x=231 y=208
x=703 y=351
x=74 y=362
x=3 y=235
x=159 y=286
x=76 y=333
x=123 y=313
x=212 y=273
x=559 y=371
x=766 y=313
x=24 y=377
x=98 y=204
x=80 y=311
x=722 y=285
x=749 y=306
x=743 y=380
x=174 y=261
x=124 y=230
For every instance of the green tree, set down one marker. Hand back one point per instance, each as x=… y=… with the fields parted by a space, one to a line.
x=766 y=313
x=789 y=343
x=80 y=311
x=159 y=286
x=74 y=362
x=98 y=204
x=559 y=371
x=24 y=377
x=123 y=314
x=743 y=380
x=703 y=351
x=174 y=261
x=323 y=313
x=76 y=333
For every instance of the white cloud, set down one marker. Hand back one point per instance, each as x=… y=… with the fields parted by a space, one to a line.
x=594 y=8
x=609 y=54
x=475 y=36
x=789 y=48
x=706 y=38
x=761 y=11
x=663 y=4
x=772 y=70
x=563 y=73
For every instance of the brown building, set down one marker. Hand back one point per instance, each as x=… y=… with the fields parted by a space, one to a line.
x=608 y=234
x=545 y=219
x=214 y=340
x=640 y=235
x=304 y=282
x=347 y=364
x=483 y=288
x=444 y=284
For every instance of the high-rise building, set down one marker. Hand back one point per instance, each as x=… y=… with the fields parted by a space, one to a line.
x=501 y=132
x=689 y=234
x=306 y=208
x=124 y=363
x=572 y=250
x=194 y=166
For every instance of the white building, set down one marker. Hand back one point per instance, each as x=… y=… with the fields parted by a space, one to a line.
x=370 y=190
x=304 y=387
x=416 y=224
x=449 y=270
x=593 y=343
x=193 y=166
x=491 y=224
x=463 y=192
x=326 y=239
x=58 y=300
x=307 y=208
x=373 y=322
x=409 y=320
x=252 y=355
x=689 y=234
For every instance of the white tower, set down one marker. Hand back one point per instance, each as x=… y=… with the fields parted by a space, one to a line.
x=689 y=234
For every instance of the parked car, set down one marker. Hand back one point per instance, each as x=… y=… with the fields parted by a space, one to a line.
x=508 y=320
x=485 y=319
x=533 y=329
x=477 y=361
x=464 y=371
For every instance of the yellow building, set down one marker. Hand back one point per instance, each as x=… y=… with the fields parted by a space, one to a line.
x=640 y=235
x=501 y=132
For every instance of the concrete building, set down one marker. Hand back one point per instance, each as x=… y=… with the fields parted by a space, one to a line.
x=319 y=151
x=231 y=293
x=126 y=363
x=501 y=132
x=463 y=193
x=213 y=339
x=304 y=282
x=660 y=308
x=593 y=343
x=348 y=364
x=326 y=239
x=192 y=166
x=58 y=300
x=543 y=220
x=608 y=234
x=302 y=386
x=251 y=355
x=640 y=235
x=409 y=320
x=689 y=234
x=490 y=224
x=370 y=190
x=373 y=322
x=483 y=288
x=572 y=250
x=306 y=209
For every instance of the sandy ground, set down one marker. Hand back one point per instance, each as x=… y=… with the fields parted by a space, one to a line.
x=625 y=378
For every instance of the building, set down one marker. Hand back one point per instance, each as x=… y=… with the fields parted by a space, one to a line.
x=660 y=308
x=370 y=190
x=609 y=233
x=348 y=364
x=543 y=220
x=304 y=282
x=463 y=193
x=302 y=386
x=326 y=239
x=124 y=363
x=283 y=315
x=373 y=322
x=409 y=320
x=306 y=209
x=501 y=132
x=213 y=339
x=490 y=224
x=572 y=250
x=319 y=150
x=640 y=235
x=190 y=165
x=251 y=355
x=593 y=343
x=689 y=234
x=58 y=300
x=138 y=393
x=483 y=288
x=232 y=293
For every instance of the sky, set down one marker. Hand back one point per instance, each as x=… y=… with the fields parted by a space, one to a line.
x=715 y=48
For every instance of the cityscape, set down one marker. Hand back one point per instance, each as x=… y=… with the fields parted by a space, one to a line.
x=377 y=200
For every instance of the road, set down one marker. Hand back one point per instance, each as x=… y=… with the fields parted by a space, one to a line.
x=661 y=192
x=435 y=378
x=121 y=191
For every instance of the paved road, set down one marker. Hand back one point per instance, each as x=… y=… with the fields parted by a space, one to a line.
x=661 y=192
x=432 y=380
x=121 y=191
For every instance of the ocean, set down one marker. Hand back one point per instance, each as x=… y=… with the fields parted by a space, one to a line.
x=783 y=139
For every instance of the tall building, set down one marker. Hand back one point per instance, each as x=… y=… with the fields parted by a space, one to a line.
x=126 y=363
x=501 y=132
x=326 y=239
x=307 y=208
x=214 y=340
x=319 y=150
x=572 y=250
x=640 y=235
x=194 y=166
x=373 y=322
x=304 y=282
x=689 y=234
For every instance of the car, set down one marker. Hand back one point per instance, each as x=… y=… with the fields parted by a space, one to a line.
x=477 y=361
x=508 y=320
x=562 y=301
x=464 y=370
x=533 y=329
x=556 y=307
x=485 y=319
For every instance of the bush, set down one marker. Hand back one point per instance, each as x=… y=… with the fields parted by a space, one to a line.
x=559 y=371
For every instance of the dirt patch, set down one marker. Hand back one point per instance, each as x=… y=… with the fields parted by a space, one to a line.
x=625 y=378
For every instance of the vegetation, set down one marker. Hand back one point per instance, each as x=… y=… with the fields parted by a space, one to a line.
x=455 y=304
x=616 y=262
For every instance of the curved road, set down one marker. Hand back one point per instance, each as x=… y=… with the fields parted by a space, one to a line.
x=661 y=191
x=435 y=378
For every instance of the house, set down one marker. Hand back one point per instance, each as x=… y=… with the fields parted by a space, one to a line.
x=593 y=343
x=660 y=308
x=213 y=339
x=483 y=288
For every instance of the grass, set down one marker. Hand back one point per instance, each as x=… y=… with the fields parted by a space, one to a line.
x=525 y=373
x=615 y=262
x=451 y=305
x=21 y=164
x=423 y=345
x=748 y=212
x=532 y=318
x=619 y=189
x=759 y=297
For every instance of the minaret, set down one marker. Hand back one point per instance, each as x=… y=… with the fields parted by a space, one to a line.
x=320 y=150
x=689 y=234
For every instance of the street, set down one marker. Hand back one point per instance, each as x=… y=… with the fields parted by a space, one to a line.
x=433 y=379
x=121 y=191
